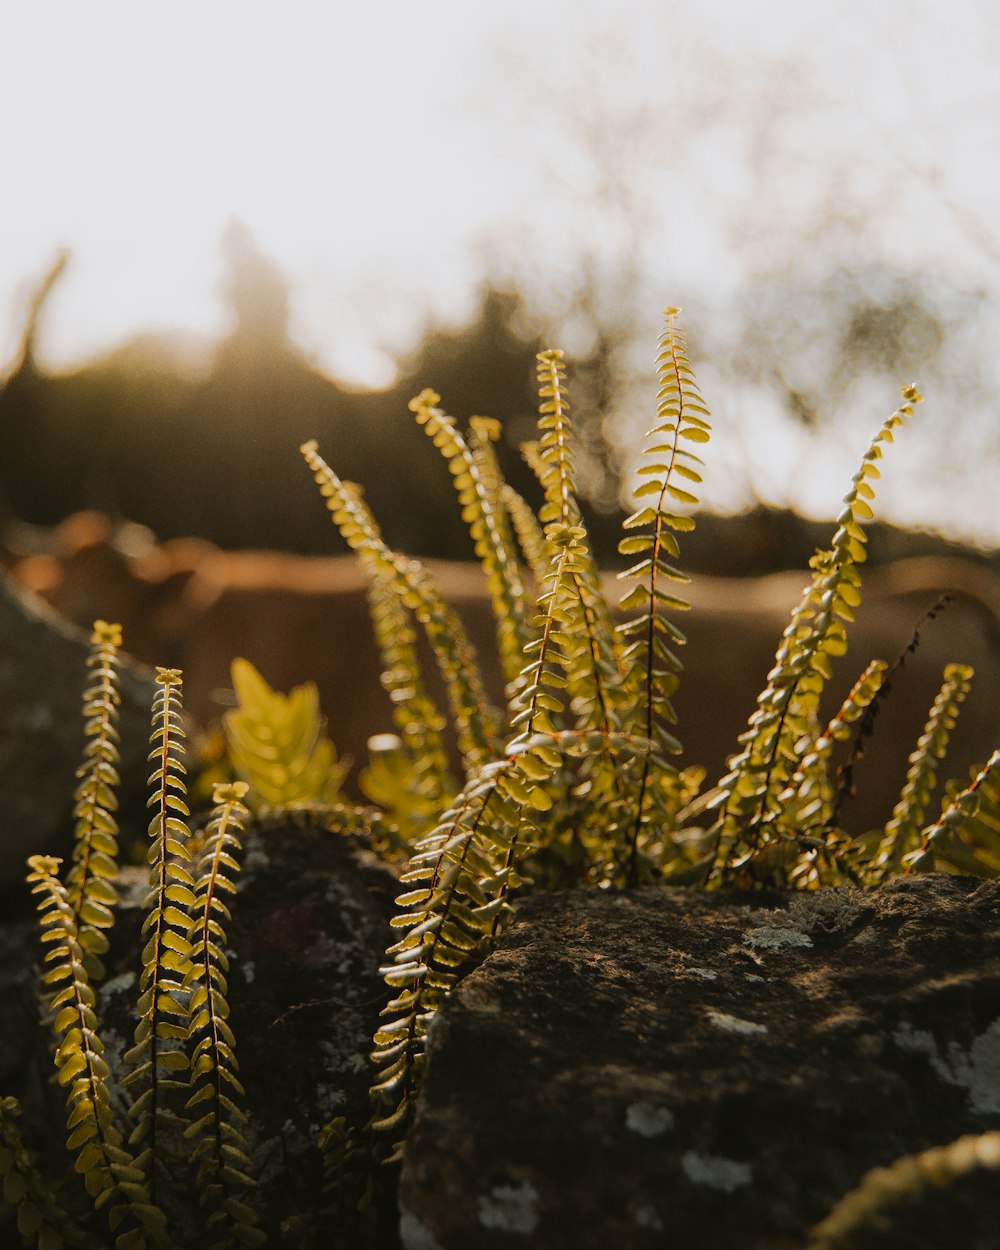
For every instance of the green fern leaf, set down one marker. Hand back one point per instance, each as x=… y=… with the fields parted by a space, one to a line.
x=166 y=957
x=27 y=1194
x=217 y=1121
x=902 y=833
x=785 y=724
x=89 y=888
x=650 y=663
x=110 y=1173
x=475 y=482
x=866 y=1211
x=966 y=836
x=476 y=722
x=276 y=743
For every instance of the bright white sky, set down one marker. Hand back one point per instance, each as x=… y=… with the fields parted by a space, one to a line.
x=381 y=153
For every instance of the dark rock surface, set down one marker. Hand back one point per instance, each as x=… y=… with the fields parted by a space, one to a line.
x=710 y=1072
x=308 y=931
x=42 y=678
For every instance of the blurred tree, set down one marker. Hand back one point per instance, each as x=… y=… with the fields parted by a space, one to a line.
x=803 y=214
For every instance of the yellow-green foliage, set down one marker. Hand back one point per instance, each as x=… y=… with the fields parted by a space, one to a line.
x=578 y=785
x=182 y=1069
x=95 y=849
x=217 y=1119
x=571 y=781
x=276 y=742
x=40 y=1217
x=158 y=1058
x=112 y=1176
x=902 y=832
x=475 y=719
x=966 y=836
x=753 y=826
x=476 y=483
x=868 y=1209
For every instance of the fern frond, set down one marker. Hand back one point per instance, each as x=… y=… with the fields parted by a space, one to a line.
x=111 y=1175
x=529 y=533
x=868 y=1208
x=477 y=497
x=464 y=872
x=27 y=1195
x=423 y=756
x=865 y=724
x=166 y=957
x=95 y=848
x=484 y=432
x=444 y=932
x=811 y=790
x=476 y=722
x=650 y=663
x=350 y=1182
x=555 y=444
x=219 y=1150
x=418 y=720
x=393 y=779
x=276 y=742
x=784 y=726
x=966 y=836
x=902 y=833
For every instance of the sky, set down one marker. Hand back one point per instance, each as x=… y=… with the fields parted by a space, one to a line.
x=385 y=156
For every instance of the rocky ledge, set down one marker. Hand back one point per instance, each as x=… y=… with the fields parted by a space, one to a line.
x=712 y=1072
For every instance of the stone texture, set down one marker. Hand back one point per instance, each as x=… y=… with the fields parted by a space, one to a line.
x=42 y=678
x=710 y=1072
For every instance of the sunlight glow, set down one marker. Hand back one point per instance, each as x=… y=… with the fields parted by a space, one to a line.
x=387 y=157
x=147 y=131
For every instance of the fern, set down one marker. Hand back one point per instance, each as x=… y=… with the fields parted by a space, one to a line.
x=650 y=662
x=574 y=785
x=785 y=725
x=966 y=836
x=476 y=722
x=820 y=859
x=421 y=768
x=394 y=780
x=426 y=783
x=276 y=743
x=467 y=866
x=158 y=1055
x=349 y=1183
x=95 y=850
x=443 y=932
x=529 y=533
x=220 y=1149
x=111 y=1175
x=903 y=830
x=25 y=1192
x=574 y=667
x=868 y=1208
x=474 y=482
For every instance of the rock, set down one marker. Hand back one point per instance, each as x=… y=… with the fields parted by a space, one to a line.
x=308 y=930
x=42 y=679
x=710 y=1071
